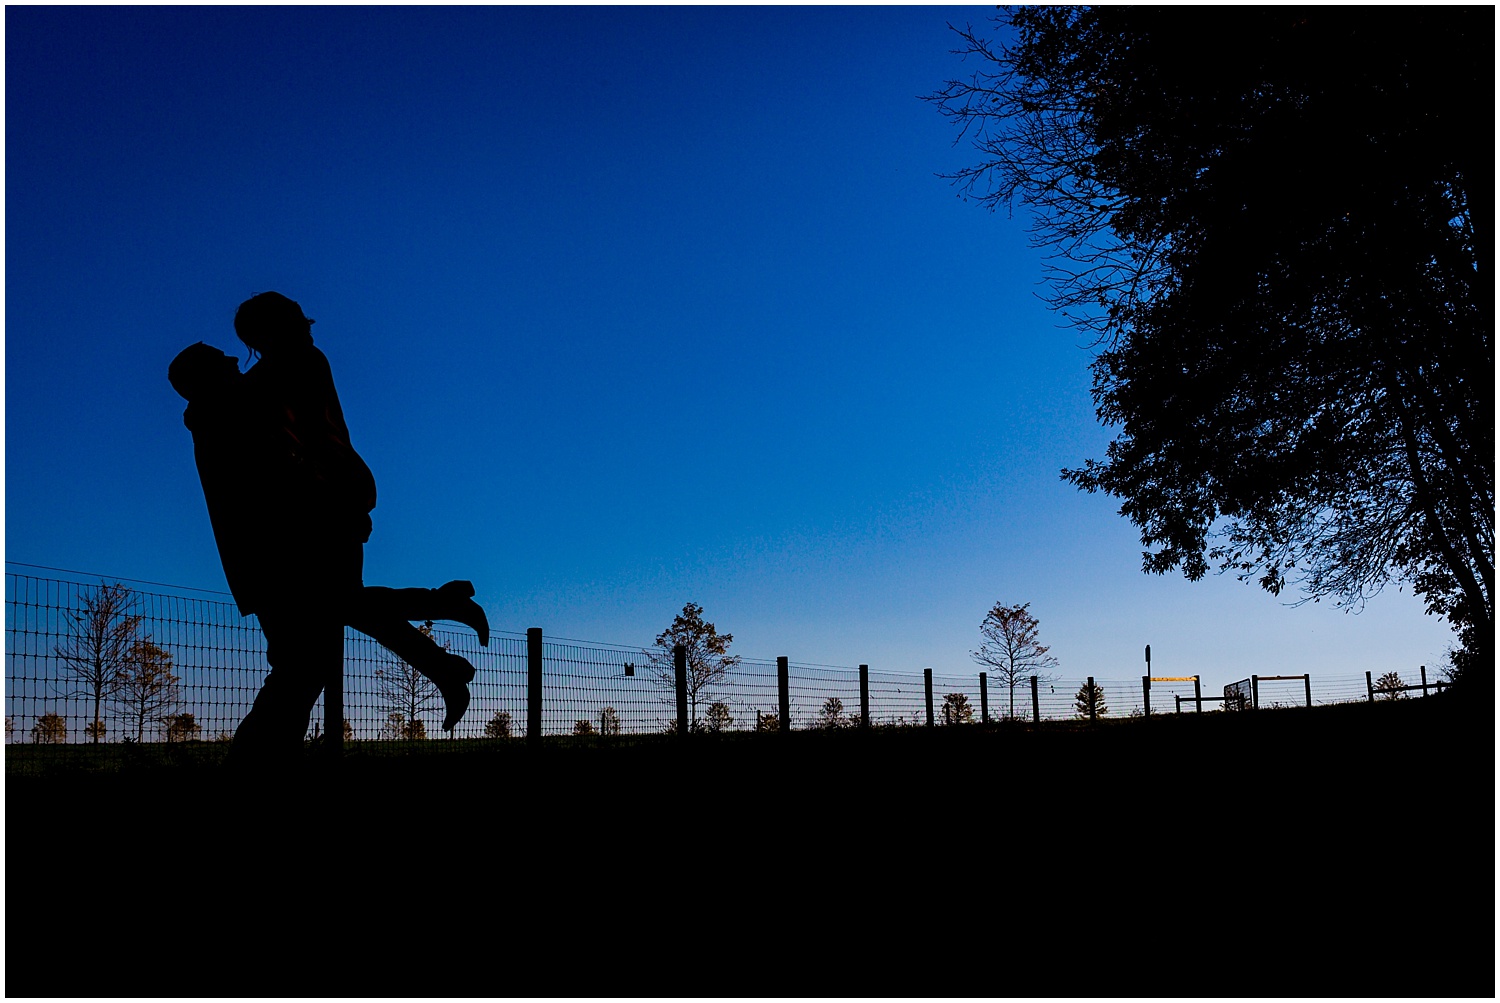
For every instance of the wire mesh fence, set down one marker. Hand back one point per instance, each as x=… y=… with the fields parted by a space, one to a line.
x=92 y=661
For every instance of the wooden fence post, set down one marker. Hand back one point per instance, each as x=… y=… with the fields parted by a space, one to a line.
x=533 y=685
x=1255 y=691
x=679 y=666
x=927 y=681
x=984 y=698
x=1146 y=693
x=1423 y=670
x=1369 y=688
x=1036 y=704
x=1092 y=701
x=784 y=691
x=333 y=710
x=864 y=696
x=1198 y=692
x=1307 y=684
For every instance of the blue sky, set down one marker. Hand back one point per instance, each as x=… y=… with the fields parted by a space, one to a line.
x=627 y=307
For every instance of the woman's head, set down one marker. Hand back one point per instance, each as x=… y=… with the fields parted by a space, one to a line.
x=269 y=322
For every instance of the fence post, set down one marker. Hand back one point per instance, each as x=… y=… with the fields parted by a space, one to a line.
x=1423 y=669
x=1146 y=693
x=1255 y=692
x=984 y=698
x=533 y=685
x=927 y=682
x=1307 y=684
x=679 y=666
x=1198 y=692
x=1036 y=706
x=783 y=687
x=1178 y=698
x=864 y=696
x=333 y=712
x=1093 y=703
x=1369 y=688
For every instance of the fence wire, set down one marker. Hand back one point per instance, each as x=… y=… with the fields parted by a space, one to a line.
x=91 y=660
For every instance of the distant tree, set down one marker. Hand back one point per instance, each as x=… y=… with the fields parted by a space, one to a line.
x=583 y=726
x=104 y=630
x=145 y=691
x=182 y=728
x=957 y=710
x=498 y=726
x=50 y=729
x=718 y=716
x=94 y=731
x=1011 y=648
x=1090 y=697
x=708 y=658
x=406 y=693
x=767 y=721
x=1388 y=686
x=10 y=728
x=609 y=721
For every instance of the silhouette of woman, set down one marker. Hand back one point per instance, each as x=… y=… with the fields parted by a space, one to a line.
x=290 y=499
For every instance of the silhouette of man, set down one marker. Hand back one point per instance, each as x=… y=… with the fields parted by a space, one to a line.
x=289 y=500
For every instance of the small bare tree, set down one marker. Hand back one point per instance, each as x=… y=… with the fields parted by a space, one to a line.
x=406 y=695
x=146 y=691
x=96 y=655
x=708 y=658
x=1011 y=648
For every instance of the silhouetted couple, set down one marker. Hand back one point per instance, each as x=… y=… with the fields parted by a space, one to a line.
x=290 y=501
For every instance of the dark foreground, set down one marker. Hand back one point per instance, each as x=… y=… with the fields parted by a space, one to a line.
x=1342 y=851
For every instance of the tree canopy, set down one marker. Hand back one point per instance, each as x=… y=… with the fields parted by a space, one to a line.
x=1282 y=250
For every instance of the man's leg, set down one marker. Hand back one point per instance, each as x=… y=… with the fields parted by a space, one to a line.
x=303 y=650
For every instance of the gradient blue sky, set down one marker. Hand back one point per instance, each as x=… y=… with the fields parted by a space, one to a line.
x=627 y=307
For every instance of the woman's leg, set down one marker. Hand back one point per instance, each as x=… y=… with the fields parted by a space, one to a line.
x=453 y=601
x=380 y=613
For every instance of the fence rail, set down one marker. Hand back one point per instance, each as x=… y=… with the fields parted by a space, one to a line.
x=204 y=663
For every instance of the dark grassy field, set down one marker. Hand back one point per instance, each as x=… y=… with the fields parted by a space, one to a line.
x=1345 y=850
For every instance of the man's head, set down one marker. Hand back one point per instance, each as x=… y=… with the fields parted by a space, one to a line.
x=269 y=321
x=201 y=371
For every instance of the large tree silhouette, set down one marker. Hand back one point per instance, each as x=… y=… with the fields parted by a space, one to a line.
x=1282 y=247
